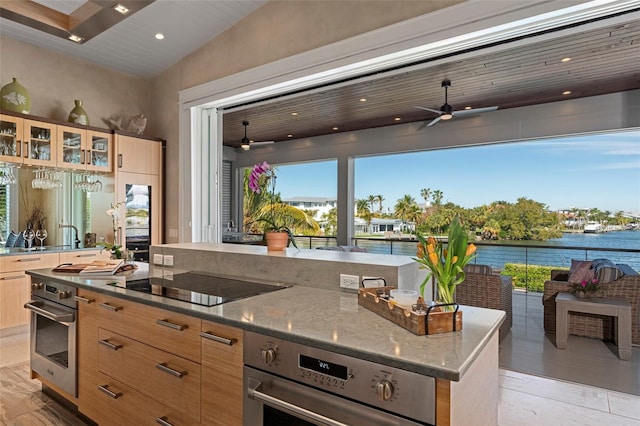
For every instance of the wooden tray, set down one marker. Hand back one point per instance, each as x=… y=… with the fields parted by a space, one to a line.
x=434 y=322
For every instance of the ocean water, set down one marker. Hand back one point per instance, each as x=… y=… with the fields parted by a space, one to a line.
x=555 y=252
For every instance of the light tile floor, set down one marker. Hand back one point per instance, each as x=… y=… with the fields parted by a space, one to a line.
x=524 y=399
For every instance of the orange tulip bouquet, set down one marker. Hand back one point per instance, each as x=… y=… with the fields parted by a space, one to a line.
x=445 y=264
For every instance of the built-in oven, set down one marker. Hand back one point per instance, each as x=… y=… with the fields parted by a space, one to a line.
x=286 y=383
x=53 y=334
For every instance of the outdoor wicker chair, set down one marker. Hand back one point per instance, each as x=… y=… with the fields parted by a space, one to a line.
x=590 y=325
x=484 y=289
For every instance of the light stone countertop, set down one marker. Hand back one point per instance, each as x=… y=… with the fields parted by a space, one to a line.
x=17 y=251
x=327 y=319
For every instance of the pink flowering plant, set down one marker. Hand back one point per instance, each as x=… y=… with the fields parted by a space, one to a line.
x=263 y=178
x=586 y=287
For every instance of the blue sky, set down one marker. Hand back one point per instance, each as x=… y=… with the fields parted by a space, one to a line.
x=601 y=171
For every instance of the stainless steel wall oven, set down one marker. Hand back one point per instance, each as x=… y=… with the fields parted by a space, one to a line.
x=286 y=383
x=53 y=334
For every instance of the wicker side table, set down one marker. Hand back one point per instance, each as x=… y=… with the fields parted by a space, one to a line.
x=620 y=309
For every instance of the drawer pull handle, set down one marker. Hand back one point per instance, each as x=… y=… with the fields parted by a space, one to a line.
x=33 y=259
x=85 y=255
x=107 y=343
x=110 y=307
x=173 y=325
x=83 y=299
x=163 y=421
x=105 y=389
x=13 y=277
x=218 y=339
x=164 y=367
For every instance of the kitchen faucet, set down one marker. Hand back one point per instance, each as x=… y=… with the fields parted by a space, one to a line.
x=77 y=241
x=230 y=225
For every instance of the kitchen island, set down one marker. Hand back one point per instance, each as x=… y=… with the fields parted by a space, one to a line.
x=464 y=363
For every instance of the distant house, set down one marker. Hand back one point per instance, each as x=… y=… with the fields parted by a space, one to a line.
x=320 y=205
x=386 y=227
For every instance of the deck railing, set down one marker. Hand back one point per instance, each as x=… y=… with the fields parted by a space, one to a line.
x=495 y=254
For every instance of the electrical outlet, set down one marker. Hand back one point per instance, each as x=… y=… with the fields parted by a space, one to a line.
x=349 y=281
x=168 y=260
x=157 y=259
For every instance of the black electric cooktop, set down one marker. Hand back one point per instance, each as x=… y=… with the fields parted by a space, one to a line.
x=200 y=289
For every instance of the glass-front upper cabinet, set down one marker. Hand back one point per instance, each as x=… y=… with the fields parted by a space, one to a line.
x=99 y=151
x=82 y=149
x=72 y=152
x=27 y=141
x=39 y=146
x=11 y=138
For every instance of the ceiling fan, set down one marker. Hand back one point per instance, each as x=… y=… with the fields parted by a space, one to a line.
x=246 y=143
x=446 y=111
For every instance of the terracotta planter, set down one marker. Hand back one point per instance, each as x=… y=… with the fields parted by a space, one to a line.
x=277 y=241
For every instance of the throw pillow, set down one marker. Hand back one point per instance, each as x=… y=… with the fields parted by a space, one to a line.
x=11 y=239
x=580 y=271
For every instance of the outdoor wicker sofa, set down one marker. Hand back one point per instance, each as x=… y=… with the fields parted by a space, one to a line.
x=484 y=289
x=590 y=325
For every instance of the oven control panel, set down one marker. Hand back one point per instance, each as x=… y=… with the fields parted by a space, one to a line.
x=55 y=292
x=380 y=385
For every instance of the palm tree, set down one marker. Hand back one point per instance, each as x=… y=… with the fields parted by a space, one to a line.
x=380 y=199
x=371 y=200
x=437 y=197
x=405 y=207
x=425 y=193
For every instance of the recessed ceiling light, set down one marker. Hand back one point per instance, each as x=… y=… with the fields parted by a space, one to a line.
x=363 y=99
x=397 y=119
x=467 y=107
x=159 y=36
x=76 y=38
x=120 y=9
x=289 y=136
x=335 y=128
x=566 y=92
x=567 y=59
x=294 y=113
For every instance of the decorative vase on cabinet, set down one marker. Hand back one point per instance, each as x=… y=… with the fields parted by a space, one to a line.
x=78 y=115
x=15 y=97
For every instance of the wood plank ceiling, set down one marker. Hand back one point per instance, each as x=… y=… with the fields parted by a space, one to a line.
x=602 y=61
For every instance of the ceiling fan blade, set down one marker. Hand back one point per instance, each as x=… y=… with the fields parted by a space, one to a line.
x=436 y=111
x=422 y=126
x=464 y=112
x=258 y=143
x=434 y=121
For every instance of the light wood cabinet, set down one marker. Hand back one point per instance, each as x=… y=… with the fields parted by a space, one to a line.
x=160 y=375
x=89 y=401
x=15 y=291
x=83 y=149
x=166 y=330
x=221 y=374
x=138 y=155
x=15 y=286
x=84 y=256
x=26 y=141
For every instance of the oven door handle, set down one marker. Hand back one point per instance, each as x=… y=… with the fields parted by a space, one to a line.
x=254 y=392
x=37 y=307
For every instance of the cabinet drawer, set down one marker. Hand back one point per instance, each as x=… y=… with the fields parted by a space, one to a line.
x=167 y=378
x=114 y=403
x=84 y=256
x=221 y=375
x=24 y=262
x=166 y=330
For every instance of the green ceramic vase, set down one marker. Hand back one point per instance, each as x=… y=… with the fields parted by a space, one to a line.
x=78 y=115
x=15 y=97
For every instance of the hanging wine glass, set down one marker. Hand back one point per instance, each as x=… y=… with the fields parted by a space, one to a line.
x=41 y=234
x=28 y=235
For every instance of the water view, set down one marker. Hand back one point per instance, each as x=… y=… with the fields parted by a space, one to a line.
x=548 y=252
